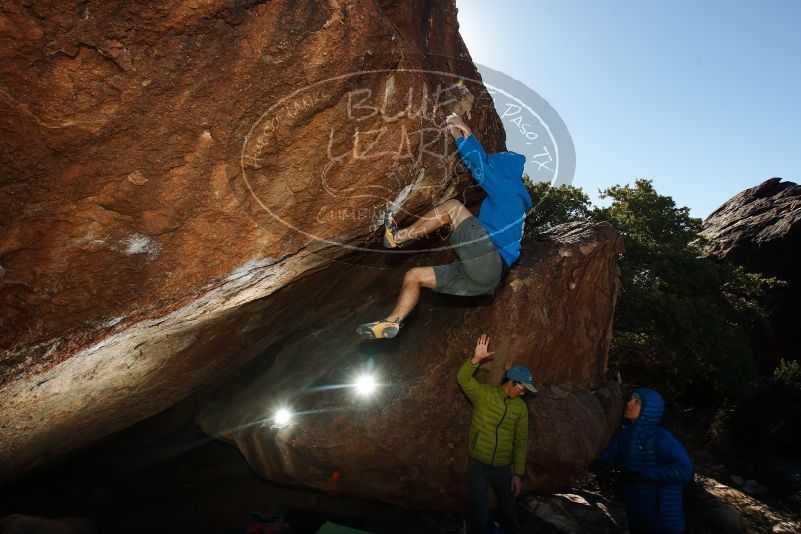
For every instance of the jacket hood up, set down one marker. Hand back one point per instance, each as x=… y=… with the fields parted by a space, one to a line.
x=652 y=408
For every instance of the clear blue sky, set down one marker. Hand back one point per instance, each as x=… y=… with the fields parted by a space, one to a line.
x=703 y=97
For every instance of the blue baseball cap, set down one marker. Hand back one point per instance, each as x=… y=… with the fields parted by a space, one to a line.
x=521 y=375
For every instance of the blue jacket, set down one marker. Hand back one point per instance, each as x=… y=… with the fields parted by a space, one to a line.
x=504 y=209
x=653 y=452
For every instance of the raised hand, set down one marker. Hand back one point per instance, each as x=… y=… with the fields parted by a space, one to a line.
x=482 y=352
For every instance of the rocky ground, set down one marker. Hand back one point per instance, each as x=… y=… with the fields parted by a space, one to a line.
x=714 y=506
x=730 y=495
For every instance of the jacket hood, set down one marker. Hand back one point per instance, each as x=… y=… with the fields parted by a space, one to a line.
x=509 y=166
x=652 y=408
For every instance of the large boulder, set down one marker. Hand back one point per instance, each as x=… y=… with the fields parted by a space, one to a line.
x=164 y=166
x=759 y=229
x=408 y=444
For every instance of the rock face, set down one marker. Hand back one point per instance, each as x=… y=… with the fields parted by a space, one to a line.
x=164 y=167
x=760 y=230
x=188 y=186
x=408 y=444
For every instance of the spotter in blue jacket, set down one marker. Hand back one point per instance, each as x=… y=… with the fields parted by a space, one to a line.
x=662 y=466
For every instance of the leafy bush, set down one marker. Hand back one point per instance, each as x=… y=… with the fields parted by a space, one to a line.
x=787 y=376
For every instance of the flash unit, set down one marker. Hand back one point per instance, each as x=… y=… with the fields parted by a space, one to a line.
x=282 y=418
x=365 y=385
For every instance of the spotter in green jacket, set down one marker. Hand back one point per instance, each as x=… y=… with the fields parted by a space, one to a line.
x=499 y=431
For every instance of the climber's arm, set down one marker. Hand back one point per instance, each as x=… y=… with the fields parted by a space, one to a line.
x=457 y=126
x=473 y=154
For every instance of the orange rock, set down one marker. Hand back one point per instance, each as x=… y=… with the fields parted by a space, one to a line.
x=165 y=166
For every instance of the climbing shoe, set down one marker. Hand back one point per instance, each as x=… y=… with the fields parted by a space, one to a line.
x=378 y=330
x=390 y=230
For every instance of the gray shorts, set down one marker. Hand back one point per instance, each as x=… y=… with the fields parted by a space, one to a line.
x=479 y=268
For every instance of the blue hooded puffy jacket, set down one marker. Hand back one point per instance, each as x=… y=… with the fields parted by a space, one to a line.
x=652 y=451
x=504 y=209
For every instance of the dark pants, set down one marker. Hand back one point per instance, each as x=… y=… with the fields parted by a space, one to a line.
x=481 y=478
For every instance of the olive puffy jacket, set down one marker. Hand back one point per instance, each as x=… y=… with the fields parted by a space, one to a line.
x=655 y=503
x=499 y=431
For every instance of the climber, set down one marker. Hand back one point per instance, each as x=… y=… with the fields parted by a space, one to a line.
x=486 y=245
x=498 y=439
x=653 y=466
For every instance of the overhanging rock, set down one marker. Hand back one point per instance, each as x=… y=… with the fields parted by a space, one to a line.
x=165 y=167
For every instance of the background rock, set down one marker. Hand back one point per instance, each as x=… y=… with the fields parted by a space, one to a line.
x=408 y=445
x=154 y=164
x=760 y=230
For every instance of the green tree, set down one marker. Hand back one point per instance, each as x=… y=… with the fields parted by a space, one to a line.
x=683 y=320
x=554 y=205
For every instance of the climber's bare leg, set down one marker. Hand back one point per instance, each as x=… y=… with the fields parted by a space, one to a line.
x=451 y=212
x=413 y=280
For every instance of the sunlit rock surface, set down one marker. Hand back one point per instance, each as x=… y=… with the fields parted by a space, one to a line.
x=408 y=443
x=167 y=167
